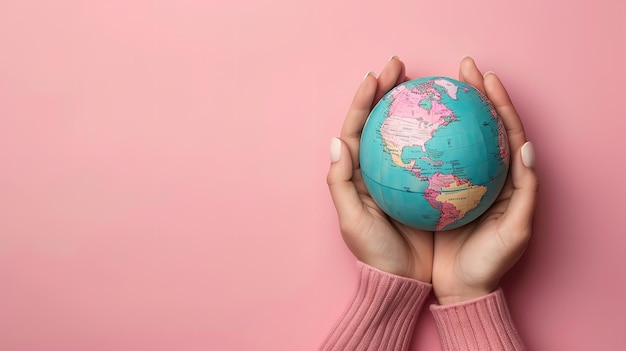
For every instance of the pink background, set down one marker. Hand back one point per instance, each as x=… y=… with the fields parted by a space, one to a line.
x=163 y=163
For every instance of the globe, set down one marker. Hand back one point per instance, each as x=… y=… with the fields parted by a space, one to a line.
x=434 y=153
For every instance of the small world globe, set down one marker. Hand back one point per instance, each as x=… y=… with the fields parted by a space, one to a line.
x=434 y=153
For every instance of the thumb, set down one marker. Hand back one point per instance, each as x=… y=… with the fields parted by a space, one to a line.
x=342 y=189
x=525 y=186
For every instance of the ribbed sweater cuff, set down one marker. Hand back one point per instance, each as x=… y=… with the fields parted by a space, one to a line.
x=382 y=314
x=480 y=324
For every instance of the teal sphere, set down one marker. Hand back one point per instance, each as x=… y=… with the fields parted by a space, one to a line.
x=434 y=153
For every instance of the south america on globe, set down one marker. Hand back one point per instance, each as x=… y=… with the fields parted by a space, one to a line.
x=434 y=153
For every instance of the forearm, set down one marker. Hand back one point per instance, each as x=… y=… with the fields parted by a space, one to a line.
x=382 y=314
x=479 y=324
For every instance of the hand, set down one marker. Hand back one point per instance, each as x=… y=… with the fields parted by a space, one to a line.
x=371 y=235
x=470 y=260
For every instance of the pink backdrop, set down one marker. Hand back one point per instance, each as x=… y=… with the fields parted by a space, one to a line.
x=163 y=163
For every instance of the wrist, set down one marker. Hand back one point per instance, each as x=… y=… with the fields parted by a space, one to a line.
x=420 y=270
x=462 y=295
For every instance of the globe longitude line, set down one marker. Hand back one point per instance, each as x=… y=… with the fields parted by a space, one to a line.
x=446 y=131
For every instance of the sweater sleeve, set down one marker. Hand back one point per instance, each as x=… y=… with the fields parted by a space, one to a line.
x=479 y=324
x=382 y=314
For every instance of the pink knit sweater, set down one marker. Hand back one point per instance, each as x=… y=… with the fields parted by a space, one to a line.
x=384 y=310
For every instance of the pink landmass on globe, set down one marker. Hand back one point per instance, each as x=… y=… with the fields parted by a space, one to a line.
x=450 y=87
x=453 y=197
x=414 y=116
x=503 y=140
x=409 y=123
x=448 y=212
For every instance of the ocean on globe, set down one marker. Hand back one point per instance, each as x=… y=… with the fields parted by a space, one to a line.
x=434 y=153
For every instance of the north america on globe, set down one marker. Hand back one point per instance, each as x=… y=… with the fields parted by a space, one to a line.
x=434 y=153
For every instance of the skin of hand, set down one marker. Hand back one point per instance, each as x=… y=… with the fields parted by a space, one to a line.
x=369 y=233
x=463 y=263
x=469 y=261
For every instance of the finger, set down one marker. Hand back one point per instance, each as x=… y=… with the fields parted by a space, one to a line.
x=522 y=204
x=519 y=213
x=500 y=99
x=402 y=75
x=342 y=190
x=470 y=74
x=357 y=114
x=393 y=72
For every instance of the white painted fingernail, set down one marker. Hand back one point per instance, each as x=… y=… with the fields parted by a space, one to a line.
x=394 y=57
x=335 y=149
x=370 y=73
x=487 y=73
x=528 y=154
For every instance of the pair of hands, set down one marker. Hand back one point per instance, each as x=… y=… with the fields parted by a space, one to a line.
x=462 y=263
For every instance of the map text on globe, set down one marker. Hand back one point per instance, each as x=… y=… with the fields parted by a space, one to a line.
x=434 y=153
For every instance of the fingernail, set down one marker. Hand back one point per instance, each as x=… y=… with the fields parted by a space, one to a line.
x=487 y=73
x=528 y=154
x=370 y=73
x=466 y=56
x=394 y=57
x=335 y=149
